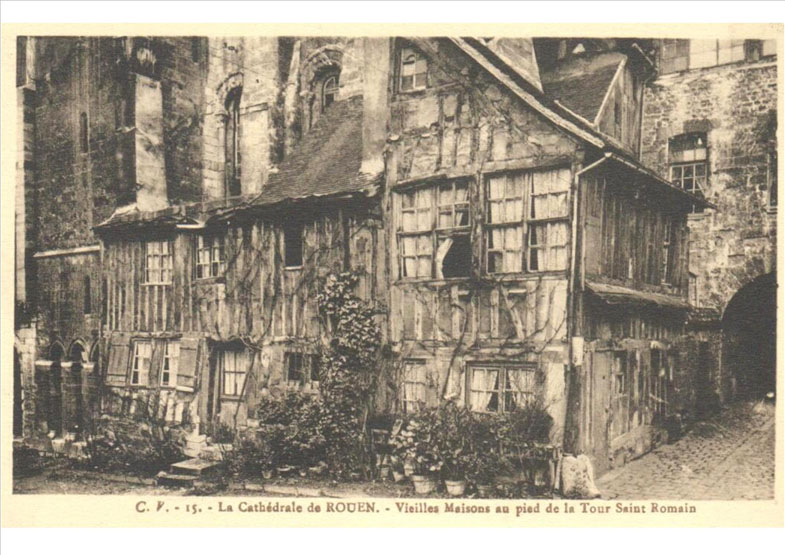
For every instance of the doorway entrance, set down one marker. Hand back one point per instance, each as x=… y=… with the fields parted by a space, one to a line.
x=749 y=338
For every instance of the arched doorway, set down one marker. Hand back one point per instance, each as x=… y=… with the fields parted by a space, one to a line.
x=55 y=394
x=749 y=338
x=75 y=401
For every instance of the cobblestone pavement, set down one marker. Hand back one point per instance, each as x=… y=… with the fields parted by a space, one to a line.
x=730 y=456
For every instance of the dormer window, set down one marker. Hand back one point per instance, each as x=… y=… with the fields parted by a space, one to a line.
x=329 y=91
x=414 y=70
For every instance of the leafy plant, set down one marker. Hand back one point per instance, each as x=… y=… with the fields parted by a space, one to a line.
x=222 y=433
x=248 y=458
x=26 y=461
x=292 y=428
x=416 y=444
x=349 y=373
x=452 y=438
x=121 y=444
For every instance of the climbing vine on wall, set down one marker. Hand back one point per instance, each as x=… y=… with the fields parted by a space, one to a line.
x=349 y=372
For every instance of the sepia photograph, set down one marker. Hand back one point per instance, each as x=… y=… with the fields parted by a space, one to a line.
x=441 y=270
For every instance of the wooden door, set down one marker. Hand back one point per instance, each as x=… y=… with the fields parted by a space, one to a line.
x=600 y=374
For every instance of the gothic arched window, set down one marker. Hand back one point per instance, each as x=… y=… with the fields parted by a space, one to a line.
x=329 y=90
x=232 y=144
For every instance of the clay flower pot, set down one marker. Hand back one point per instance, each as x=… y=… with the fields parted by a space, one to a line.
x=456 y=488
x=484 y=490
x=423 y=485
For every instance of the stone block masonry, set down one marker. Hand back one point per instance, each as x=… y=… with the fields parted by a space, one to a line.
x=735 y=105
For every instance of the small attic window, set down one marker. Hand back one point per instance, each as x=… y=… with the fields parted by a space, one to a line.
x=414 y=70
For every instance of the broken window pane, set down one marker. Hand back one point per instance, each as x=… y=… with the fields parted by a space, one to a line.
x=454 y=257
x=417 y=227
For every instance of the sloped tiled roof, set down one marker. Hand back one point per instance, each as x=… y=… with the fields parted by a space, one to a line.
x=581 y=83
x=327 y=160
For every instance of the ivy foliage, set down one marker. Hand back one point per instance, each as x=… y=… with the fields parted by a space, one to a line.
x=303 y=431
x=349 y=373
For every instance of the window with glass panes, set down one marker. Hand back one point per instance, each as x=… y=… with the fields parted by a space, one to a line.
x=415 y=232
x=158 y=263
x=688 y=156
x=301 y=368
x=232 y=367
x=209 y=256
x=433 y=231
x=668 y=252
x=530 y=205
x=170 y=362
x=504 y=222
x=413 y=386
x=140 y=365
x=414 y=70
x=500 y=387
x=682 y=54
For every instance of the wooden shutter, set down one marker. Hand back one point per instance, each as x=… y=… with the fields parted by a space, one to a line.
x=593 y=227
x=156 y=362
x=119 y=356
x=189 y=363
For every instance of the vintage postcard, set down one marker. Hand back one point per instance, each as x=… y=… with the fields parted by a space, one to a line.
x=384 y=275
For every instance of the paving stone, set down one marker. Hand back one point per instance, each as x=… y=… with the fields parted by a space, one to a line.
x=730 y=456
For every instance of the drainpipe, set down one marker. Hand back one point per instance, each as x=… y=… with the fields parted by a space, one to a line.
x=569 y=443
x=574 y=239
x=574 y=235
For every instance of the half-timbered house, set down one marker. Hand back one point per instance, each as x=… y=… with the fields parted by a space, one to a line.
x=488 y=191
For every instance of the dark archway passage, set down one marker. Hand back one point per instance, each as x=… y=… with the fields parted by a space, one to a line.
x=749 y=339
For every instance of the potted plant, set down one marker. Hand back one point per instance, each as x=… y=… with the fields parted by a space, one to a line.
x=397 y=469
x=484 y=461
x=401 y=445
x=483 y=469
x=452 y=436
x=422 y=451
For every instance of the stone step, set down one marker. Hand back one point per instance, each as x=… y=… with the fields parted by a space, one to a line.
x=194 y=467
x=175 y=480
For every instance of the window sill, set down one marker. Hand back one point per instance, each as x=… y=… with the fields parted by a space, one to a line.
x=231 y=398
x=486 y=279
x=292 y=268
x=432 y=281
x=697 y=217
x=146 y=284
x=210 y=280
x=409 y=92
